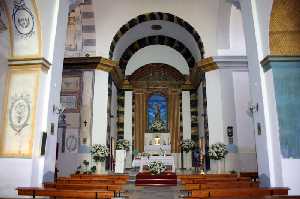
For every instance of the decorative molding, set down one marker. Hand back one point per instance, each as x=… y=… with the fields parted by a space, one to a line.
x=29 y=63
x=96 y=63
x=207 y=64
x=265 y=63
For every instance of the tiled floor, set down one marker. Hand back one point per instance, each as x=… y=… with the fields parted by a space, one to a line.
x=153 y=192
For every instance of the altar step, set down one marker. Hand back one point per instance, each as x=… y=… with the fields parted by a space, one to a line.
x=147 y=179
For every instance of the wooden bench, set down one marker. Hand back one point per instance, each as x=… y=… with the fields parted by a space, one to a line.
x=225 y=175
x=97 y=176
x=89 y=181
x=220 y=185
x=204 y=180
x=238 y=192
x=117 y=189
x=52 y=192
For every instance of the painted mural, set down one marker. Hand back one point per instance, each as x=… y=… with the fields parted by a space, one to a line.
x=17 y=134
x=25 y=28
x=157 y=113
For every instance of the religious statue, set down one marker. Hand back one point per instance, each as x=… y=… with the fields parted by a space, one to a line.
x=71 y=32
x=2 y=24
x=157 y=124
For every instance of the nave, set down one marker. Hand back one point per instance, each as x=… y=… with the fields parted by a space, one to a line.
x=190 y=185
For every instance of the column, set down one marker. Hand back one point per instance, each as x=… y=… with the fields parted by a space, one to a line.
x=128 y=126
x=186 y=124
x=99 y=129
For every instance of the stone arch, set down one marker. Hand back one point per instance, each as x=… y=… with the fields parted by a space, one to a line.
x=285 y=28
x=156 y=16
x=156 y=40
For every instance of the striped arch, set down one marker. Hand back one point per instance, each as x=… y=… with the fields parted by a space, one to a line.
x=156 y=40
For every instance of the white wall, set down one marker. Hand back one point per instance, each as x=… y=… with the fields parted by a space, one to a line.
x=99 y=130
x=157 y=54
x=244 y=122
x=235 y=39
x=111 y=15
x=12 y=176
x=214 y=107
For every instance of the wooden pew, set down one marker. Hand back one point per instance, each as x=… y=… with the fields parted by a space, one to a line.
x=220 y=185
x=204 y=180
x=238 y=192
x=224 y=175
x=99 y=176
x=89 y=181
x=52 y=192
x=117 y=189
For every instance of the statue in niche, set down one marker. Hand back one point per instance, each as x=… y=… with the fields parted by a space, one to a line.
x=71 y=31
x=157 y=113
x=2 y=24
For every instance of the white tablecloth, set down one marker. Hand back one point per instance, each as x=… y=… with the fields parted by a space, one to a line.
x=167 y=160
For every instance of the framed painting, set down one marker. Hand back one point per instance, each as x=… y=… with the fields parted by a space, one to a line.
x=70 y=83
x=70 y=103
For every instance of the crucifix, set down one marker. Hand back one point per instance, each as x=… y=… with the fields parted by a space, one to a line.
x=85 y=123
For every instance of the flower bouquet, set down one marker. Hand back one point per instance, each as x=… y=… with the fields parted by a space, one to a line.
x=156 y=167
x=187 y=145
x=122 y=144
x=99 y=152
x=217 y=151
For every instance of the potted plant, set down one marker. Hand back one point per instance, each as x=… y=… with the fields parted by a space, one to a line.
x=99 y=154
x=122 y=146
x=217 y=152
x=156 y=167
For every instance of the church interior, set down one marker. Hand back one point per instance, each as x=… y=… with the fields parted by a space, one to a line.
x=142 y=99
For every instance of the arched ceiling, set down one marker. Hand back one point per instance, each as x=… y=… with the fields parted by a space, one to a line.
x=152 y=54
x=156 y=40
x=174 y=32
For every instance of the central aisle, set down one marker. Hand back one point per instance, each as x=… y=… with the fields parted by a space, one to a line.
x=153 y=192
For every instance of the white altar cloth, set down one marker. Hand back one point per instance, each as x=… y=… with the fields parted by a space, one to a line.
x=167 y=160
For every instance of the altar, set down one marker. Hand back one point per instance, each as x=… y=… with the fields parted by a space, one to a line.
x=166 y=160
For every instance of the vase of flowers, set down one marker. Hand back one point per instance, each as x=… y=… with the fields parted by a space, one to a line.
x=122 y=146
x=99 y=154
x=217 y=152
x=187 y=145
x=156 y=167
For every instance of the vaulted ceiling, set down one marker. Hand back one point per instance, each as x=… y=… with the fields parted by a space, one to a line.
x=156 y=28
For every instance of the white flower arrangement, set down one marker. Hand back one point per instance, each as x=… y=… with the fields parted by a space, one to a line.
x=122 y=144
x=187 y=145
x=99 y=152
x=156 y=167
x=217 y=151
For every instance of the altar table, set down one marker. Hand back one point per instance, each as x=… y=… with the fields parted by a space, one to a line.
x=167 y=160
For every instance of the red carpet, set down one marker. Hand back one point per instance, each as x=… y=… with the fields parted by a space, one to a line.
x=147 y=179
